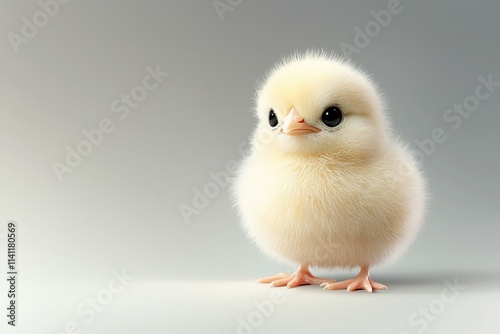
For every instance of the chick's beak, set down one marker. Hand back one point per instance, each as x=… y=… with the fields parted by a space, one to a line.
x=295 y=125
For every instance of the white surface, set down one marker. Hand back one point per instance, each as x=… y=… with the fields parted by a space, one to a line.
x=197 y=306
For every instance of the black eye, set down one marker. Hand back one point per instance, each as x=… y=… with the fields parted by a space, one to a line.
x=332 y=116
x=273 y=119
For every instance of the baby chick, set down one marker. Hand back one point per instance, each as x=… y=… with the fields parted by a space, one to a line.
x=326 y=184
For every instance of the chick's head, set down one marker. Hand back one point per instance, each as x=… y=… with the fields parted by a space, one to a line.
x=315 y=104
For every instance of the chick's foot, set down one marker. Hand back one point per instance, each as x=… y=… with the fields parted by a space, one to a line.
x=301 y=277
x=360 y=282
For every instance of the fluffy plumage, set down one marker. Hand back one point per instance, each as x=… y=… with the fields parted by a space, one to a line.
x=344 y=196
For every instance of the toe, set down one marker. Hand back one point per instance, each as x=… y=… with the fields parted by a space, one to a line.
x=337 y=286
x=318 y=280
x=293 y=283
x=360 y=284
x=377 y=286
x=271 y=279
x=281 y=282
x=308 y=279
x=367 y=286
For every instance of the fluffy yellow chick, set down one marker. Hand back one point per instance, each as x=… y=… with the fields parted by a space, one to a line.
x=326 y=184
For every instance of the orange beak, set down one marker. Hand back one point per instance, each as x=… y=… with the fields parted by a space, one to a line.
x=295 y=125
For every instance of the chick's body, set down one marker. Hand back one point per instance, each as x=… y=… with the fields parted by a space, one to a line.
x=325 y=183
x=313 y=210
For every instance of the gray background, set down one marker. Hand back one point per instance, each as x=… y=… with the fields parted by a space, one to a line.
x=119 y=209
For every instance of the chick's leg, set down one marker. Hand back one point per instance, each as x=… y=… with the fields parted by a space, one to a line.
x=360 y=282
x=300 y=277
